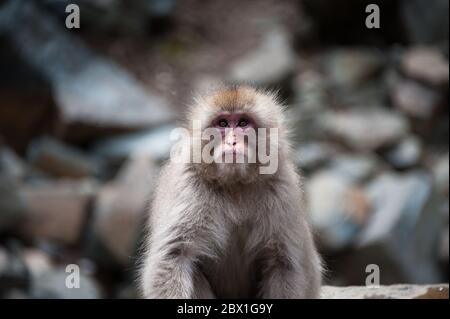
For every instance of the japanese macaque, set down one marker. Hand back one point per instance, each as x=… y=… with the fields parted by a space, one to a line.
x=237 y=228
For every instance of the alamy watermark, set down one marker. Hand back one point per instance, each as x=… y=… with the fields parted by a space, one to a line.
x=373 y=277
x=230 y=146
x=73 y=17
x=373 y=19
x=73 y=277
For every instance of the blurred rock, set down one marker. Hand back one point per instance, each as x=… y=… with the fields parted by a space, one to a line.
x=353 y=167
x=441 y=174
x=370 y=93
x=443 y=248
x=92 y=93
x=366 y=129
x=406 y=154
x=426 y=64
x=52 y=285
x=10 y=162
x=311 y=90
x=57 y=210
x=386 y=292
x=350 y=68
x=310 y=101
x=60 y=160
x=415 y=99
x=13 y=273
x=425 y=22
x=37 y=262
x=120 y=207
x=401 y=235
x=269 y=64
x=12 y=208
x=26 y=102
x=155 y=143
x=310 y=156
x=338 y=208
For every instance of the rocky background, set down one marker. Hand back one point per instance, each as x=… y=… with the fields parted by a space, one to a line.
x=85 y=117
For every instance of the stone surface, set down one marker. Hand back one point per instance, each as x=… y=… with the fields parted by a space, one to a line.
x=12 y=207
x=426 y=64
x=312 y=155
x=386 y=292
x=155 y=143
x=350 y=68
x=26 y=99
x=441 y=173
x=415 y=99
x=88 y=89
x=61 y=160
x=57 y=211
x=353 y=167
x=270 y=63
x=36 y=261
x=366 y=129
x=13 y=273
x=120 y=206
x=10 y=162
x=337 y=208
x=52 y=285
x=404 y=226
x=406 y=154
x=310 y=87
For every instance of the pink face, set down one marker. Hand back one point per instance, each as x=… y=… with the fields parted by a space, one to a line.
x=233 y=126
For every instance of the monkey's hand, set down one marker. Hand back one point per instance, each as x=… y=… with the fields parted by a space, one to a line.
x=285 y=276
x=169 y=272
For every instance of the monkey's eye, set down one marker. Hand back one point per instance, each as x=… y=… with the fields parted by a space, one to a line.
x=243 y=122
x=223 y=123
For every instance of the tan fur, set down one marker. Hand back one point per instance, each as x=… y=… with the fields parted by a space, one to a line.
x=231 y=237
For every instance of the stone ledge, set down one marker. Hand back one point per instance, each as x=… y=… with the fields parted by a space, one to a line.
x=439 y=291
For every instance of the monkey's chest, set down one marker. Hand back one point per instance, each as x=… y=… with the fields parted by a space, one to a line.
x=235 y=274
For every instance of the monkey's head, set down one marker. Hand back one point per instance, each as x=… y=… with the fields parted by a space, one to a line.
x=242 y=135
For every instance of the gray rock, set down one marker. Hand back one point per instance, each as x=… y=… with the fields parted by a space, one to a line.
x=415 y=99
x=10 y=162
x=441 y=174
x=356 y=168
x=406 y=154
x=88 y=89
x=337 y=207
x=12 y=206
x=310 y=156
x=57 y=211
x=13 y=273
x=350 y=68
x=155 y=143
x=270 y=63
x=366 y=129
x=120 y=207
x=400 y=236
x=311 y=91
x=61 y=160
x=52 y=285
x=37 y=262
x=386 y=292
x=443 y=246
x=427 y=64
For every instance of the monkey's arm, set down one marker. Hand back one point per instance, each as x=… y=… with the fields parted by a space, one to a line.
x=291 y=266
x=170 y=268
